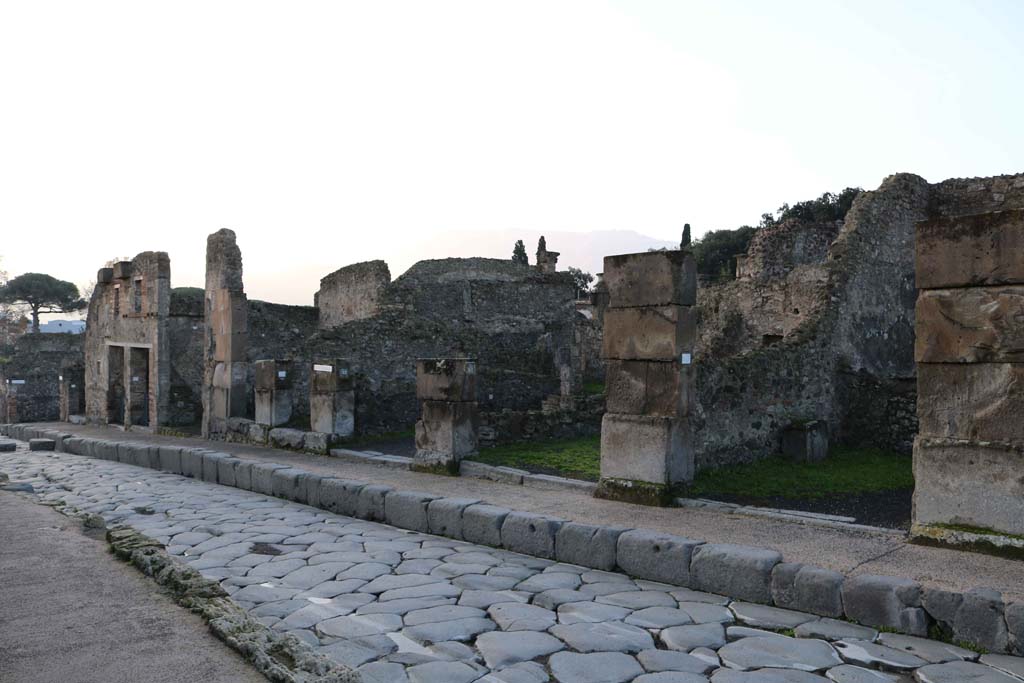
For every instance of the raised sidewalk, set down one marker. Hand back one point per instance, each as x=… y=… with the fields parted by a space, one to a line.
x=850 y=552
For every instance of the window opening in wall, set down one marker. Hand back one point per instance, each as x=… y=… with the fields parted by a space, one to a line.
x=137 y=296
x=117 y=300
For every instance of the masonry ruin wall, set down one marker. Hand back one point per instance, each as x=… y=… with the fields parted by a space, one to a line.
x=351 y=293
x=831 y=340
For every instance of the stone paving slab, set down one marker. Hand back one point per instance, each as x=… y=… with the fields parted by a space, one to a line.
x=406 y=606
x=845 y=551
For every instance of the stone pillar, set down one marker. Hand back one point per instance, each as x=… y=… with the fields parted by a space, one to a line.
x=226 y=339
x=547 y=261
x=332 y=398
x=599 y=298
x=969 y=348
x=649 y=333
x=448 y=428
x=273 y=392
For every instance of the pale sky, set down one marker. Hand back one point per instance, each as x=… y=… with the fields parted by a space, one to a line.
x=326 y=133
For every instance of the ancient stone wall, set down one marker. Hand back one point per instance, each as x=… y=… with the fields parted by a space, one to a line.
x=583 y=418
x=30 y=369
x=351 y=293
x=831 y=340
x=510 y=317
x=127 y=345
x=969 y=348
x=776 y=250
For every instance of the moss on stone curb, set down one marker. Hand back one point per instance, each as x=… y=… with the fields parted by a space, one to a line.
x=281 y=658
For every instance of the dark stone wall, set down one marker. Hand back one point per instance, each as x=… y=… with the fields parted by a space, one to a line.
x=831 y=340
x=185 y=329
x=509 y=317
x=38 y=359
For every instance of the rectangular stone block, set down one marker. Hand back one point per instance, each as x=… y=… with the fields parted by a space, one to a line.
x=481 y=524
x=311 y=482
x=263 y=477
x=806 y=588
x=370 y=503
x=885 y=601
x=530 y=534
x=977 y=401
x=588 y=545
x=287 y=483
x=739 y=571
x=969 y=483
x=444 y=516
x=122 y=270
x=226 y=471
x=656 y=557
x=341 y=496
x=446 y=431
x=153 y=457
x=192 y=462
x=333 y=412
x=104 y=276
x=657 y=450
x=124 y=452
x=964 y=251
x=638 y=387
x=446 y=379
x=655 y=278
x=283 y=437
x=970 y=325
x=654 y=333
x=243 y=475
x=407 y=509
x=330 y=376
x=170 y=459
x=273 y=374
x=211 y=466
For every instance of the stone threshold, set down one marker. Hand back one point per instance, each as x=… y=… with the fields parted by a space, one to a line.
x=979 y=616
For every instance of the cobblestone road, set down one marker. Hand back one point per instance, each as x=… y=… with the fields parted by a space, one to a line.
x=403 y=606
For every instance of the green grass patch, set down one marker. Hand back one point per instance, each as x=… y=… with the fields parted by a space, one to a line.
x=593 y=388
x=846 y=470
x=575 y=458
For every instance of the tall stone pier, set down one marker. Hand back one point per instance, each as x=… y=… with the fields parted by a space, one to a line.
x=969 y=452
x=332 y=398
x=226 y=339
x=649 y=334
x=273 y=392
x=448 y=429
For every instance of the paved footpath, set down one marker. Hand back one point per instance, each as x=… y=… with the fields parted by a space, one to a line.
x=848 y=552
x=67 y=605
x=410 y=607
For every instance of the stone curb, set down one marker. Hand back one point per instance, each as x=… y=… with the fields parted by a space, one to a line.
x=980 y=616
